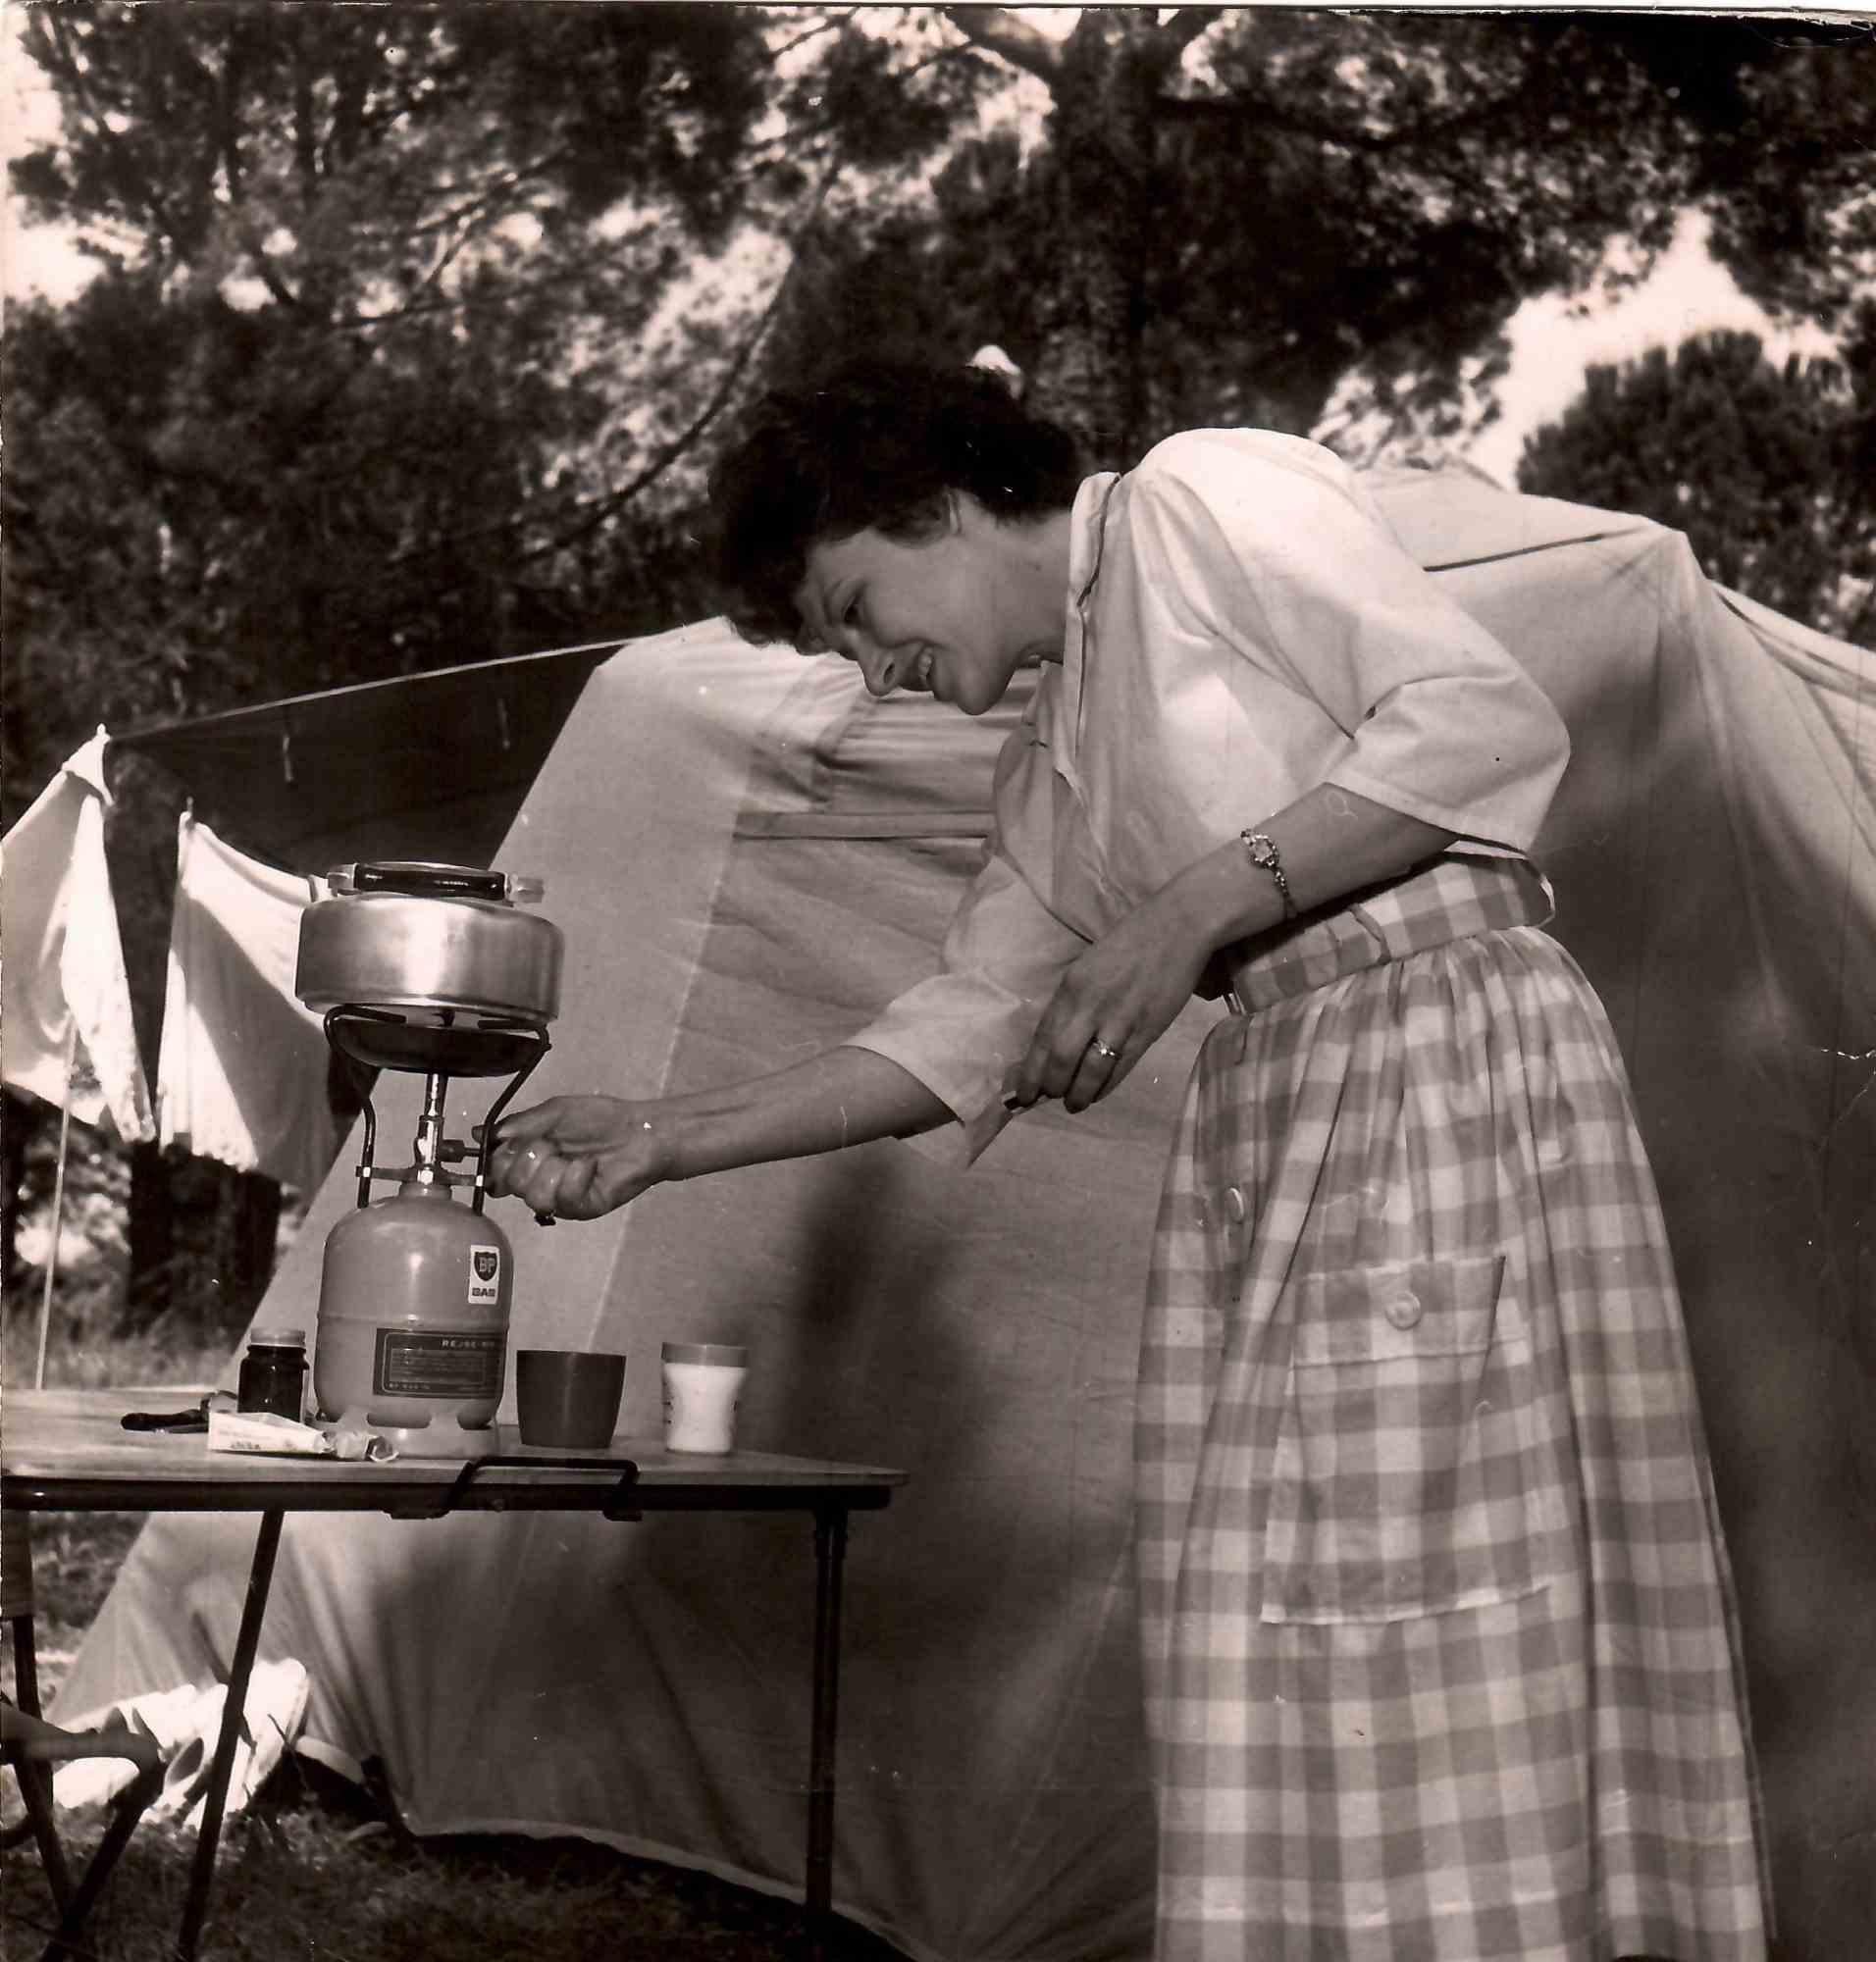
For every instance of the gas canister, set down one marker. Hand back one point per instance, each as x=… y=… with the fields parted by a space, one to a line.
x=435 y=969
x=413 y=1313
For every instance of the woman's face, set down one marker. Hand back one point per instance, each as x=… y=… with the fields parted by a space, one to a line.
x=953 y=615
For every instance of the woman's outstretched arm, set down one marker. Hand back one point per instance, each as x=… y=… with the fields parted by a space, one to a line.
x=579 y=1157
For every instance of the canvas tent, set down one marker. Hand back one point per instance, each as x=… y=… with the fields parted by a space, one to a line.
x=748 y=856
x=428 y=765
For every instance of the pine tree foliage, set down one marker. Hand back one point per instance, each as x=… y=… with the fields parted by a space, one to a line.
x=414 y=324
x=1769 y=469
x=402 y=312
x=1237 y=212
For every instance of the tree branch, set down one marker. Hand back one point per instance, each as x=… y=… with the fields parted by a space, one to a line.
x=1287 y=118
x=686 y=439
x=1175 y=35
x=788 y=141
x=1008 y=34
x=597 y=510
x=226 y=103
x=47 y=36
x=828 y=24
x=264 y=267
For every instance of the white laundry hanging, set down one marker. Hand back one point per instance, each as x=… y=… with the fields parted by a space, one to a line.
x=63 y=971
x=241 y=1070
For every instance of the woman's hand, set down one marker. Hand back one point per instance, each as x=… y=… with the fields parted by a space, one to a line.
x=575 y=1158
x=1120 y=996
x=1113 y=1003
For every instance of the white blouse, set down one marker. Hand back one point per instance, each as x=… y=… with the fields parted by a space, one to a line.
x=1242 y=627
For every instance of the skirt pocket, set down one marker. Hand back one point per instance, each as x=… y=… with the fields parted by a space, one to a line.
x=1402 y=1481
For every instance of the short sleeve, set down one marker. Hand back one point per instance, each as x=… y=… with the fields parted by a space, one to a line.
x=1442 y=723
x=962 y=1032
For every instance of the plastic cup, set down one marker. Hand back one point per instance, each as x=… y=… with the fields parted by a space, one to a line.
x=702 y=1381
x=569 y=1397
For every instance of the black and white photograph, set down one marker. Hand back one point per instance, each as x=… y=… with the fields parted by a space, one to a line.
x=939 y=960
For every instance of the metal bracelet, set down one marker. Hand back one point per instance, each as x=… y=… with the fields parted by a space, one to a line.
x=1265 y=855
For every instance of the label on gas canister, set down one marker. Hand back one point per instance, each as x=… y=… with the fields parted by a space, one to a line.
x=485 y=1273
x=412 y=1362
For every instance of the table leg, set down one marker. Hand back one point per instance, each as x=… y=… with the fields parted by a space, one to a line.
x=830 y=1546
x=260 y=1578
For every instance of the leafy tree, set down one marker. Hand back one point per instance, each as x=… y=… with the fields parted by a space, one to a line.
x=1236 y=209
x=402 y=312
x=1769 y=470
x=415 y=320
x=341 y=382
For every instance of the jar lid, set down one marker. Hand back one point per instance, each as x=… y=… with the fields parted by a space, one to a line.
x=276 y=1338
x=731 y=1355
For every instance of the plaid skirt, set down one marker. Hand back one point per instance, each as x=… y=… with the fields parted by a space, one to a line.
x=1440 y=1650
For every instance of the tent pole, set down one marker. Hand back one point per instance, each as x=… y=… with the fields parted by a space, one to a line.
x=58 y=1202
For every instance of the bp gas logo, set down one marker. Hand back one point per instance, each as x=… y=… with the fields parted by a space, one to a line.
x=487 y=1261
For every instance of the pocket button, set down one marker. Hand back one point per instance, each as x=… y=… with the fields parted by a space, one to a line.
x=1402 y=1309
x=1235 y=1203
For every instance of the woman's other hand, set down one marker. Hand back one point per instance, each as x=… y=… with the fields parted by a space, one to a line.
x=575 y=1158
x=1112 y=1004
x=1120 y=996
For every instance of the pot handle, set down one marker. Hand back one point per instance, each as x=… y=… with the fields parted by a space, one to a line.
x=430 y=882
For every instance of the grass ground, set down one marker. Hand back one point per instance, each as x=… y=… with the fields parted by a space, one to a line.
x=319 y=1870
x=310 y=1872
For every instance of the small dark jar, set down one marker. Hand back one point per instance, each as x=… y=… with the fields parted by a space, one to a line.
x=274 y=1373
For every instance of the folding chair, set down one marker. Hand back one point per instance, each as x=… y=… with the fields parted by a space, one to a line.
x=30 y=1746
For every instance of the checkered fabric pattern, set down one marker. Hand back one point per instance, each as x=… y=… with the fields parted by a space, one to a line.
x=1442 y=1656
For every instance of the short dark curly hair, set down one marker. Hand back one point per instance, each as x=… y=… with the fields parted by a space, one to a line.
x=875 y=444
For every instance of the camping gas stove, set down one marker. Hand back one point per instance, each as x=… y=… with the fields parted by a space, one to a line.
x=432 y=969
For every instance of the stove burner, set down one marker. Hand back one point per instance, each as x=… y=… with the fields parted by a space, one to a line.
x=451 y=1042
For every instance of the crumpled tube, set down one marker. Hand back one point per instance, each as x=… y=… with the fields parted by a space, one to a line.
x=352 y=1438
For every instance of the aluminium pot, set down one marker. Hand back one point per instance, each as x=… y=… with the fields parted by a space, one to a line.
x=440 y=943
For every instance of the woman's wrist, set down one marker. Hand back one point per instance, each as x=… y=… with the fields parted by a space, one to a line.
x=656 y=1139
x=1224 y=898
x=1327 y=843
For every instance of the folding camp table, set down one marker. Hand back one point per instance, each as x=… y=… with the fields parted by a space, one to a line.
x=67 y=1451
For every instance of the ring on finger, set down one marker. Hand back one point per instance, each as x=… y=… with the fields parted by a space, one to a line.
x=1106 y=1051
